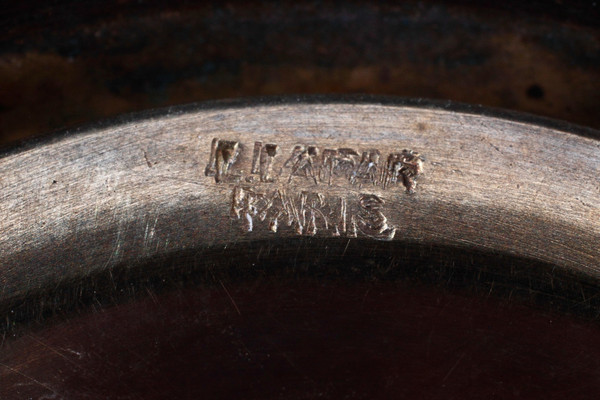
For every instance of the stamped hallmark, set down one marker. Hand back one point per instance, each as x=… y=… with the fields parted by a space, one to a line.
x=274 y=189
x=308 y=213
x=309 y=164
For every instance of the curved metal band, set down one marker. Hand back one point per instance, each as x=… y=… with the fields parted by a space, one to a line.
x=216 y=175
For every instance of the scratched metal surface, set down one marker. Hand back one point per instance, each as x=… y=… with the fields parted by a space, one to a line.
x=128 y=192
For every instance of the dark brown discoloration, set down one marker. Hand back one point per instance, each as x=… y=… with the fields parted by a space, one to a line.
x=308 y=305
x=68 y=63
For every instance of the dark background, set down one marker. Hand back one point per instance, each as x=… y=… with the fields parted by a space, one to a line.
x=63 y=63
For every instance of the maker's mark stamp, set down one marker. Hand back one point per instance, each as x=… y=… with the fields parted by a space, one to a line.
x=308 y=213
x=312 y=165
x=266 y=189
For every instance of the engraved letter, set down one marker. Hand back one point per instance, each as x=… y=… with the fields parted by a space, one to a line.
x=339 y=218
x=405 y=166
x=338 y=162
x=262 y=161
x=243 y=206
x=303 y=162
x=367 y=169
x=371 y=220
x=315 y=204
x=223 y=154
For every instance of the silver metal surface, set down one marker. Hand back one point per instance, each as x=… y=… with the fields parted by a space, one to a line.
x=220 y=174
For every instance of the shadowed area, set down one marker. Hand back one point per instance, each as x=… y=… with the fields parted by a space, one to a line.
x=308 y=318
